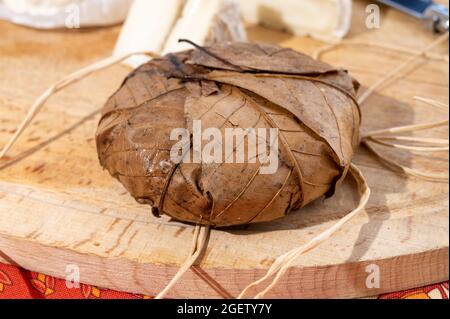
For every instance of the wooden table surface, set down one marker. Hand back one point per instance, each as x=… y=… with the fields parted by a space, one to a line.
x=59 y=208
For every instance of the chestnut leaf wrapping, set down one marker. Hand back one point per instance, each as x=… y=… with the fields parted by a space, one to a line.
x=233 y=85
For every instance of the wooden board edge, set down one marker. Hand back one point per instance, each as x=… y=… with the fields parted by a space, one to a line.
x=349 y=280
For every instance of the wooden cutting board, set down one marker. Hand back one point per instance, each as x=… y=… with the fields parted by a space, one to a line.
x=58 y=208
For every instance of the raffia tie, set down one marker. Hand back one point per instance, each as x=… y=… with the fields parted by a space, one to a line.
x=385 y=137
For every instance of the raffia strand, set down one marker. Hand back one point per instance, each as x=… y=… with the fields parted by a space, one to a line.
x=200 y=239
x=66 y=81
x=282 y=263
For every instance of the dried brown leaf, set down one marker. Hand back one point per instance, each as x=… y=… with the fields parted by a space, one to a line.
x=231 y=86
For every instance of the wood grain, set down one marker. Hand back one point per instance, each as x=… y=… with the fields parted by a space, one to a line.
x=57 y=206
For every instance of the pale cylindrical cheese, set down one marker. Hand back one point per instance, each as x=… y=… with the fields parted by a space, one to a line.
x=147 y=28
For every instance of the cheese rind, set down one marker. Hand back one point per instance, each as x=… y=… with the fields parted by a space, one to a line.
x=326 y=20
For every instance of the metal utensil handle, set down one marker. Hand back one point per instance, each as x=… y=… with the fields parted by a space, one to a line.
x=434 y=15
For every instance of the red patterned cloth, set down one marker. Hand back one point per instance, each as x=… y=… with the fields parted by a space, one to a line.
x=17 y=283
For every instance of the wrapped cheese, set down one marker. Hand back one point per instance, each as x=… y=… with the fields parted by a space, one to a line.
x=252 y=88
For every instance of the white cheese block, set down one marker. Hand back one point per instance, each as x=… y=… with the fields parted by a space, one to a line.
x=48 y=14
x=206 y=22
x=147 y=28
x=326 y=20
